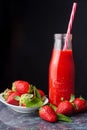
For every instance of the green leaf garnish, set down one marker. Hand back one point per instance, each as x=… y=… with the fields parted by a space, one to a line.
x=31 y=89
x=36 y=93
x=64 y=118
x=34 y=102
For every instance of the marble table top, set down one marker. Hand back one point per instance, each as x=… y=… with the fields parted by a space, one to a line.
x=11 y=120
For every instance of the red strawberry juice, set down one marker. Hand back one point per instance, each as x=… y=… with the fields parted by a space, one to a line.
x=61 y=75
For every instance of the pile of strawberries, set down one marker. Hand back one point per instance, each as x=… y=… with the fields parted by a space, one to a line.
x=53 y=113
x=23 y=93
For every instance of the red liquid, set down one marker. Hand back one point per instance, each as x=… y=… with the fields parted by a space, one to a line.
x=61 y=76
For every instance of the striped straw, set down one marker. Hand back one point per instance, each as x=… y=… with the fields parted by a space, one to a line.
x=70 y=24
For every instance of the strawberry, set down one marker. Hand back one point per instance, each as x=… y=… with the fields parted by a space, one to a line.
x=65 y=107
x=7 y=93
x=21 y=87
x=47 y=113
x=11 y=99
x=41 y=92
x=80 y=104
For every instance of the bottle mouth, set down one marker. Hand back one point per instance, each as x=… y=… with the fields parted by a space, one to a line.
x=62 y=36
x=60 y=41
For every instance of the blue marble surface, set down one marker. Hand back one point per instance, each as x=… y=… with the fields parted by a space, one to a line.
x=11 y=120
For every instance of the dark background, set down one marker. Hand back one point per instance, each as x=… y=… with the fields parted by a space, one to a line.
x=27 y=28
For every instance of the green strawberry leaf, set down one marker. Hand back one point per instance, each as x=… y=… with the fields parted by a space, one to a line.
x=30 y=96
x=72 y=98
x=34 y=102
x=53 y=106
x=31 y=88
x=17 y=98
x=81 y=98
x=36 y=93
x=64 y=118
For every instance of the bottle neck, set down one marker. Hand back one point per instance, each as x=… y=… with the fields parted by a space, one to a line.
x=59 y=41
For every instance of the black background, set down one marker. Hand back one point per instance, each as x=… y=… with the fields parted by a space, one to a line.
x=27 y=28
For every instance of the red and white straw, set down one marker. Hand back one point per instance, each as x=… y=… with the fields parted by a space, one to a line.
x=70 y=24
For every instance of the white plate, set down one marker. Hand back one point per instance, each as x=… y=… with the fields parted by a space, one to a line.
x=22 y=109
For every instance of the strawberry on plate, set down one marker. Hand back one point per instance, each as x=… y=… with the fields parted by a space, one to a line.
x=41 y=92
x=11 y=99
x=65 y=107
x=80 y=104
x=7 y=92
x=47 y=113
x=21 y=87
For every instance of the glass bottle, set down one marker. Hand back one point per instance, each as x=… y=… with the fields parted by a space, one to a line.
x=61 y=70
